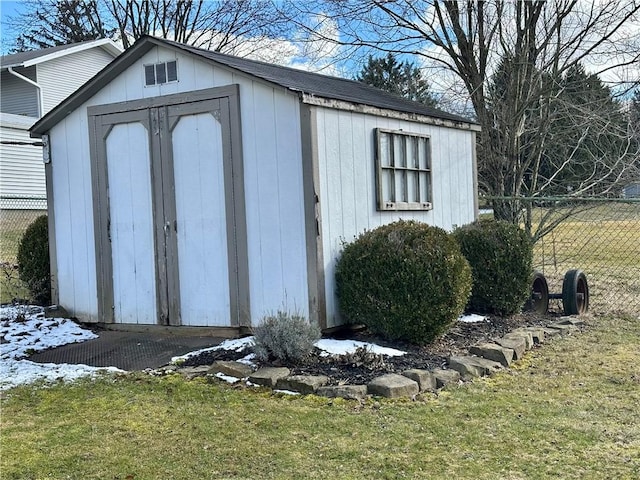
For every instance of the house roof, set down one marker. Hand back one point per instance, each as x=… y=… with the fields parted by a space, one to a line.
x=26 y=59
x=298 y=81
x=320 y=85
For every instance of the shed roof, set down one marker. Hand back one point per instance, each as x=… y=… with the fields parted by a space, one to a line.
x=33 y=57
x=294 y=80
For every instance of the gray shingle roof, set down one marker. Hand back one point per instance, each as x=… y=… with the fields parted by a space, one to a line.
x=321 y=85
x=299 y=81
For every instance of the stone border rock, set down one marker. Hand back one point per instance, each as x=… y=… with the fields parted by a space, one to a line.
x=484 y=359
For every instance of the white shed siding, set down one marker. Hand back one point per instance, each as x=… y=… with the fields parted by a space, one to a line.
x=272 y=174
x=62 y=76
x=346 y=160
x=17 y=96
x=73 y=213
x=21 y=167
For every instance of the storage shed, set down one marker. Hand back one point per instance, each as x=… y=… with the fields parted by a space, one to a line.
x=192 y=188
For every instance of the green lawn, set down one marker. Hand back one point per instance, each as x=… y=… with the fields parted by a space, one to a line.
x=568 y=410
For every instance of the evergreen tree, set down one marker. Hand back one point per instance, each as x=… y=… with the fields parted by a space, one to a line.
x=400 y=78
x=53 y=23
x=587 y=136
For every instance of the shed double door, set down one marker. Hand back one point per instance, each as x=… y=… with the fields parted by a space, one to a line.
x=166 y=214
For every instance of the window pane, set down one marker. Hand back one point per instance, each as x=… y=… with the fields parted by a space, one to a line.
x=149 y=75
x=425 y=187
x=385 y=158
x=161 y=73
x=172 y=71
x=398 y=151
x=425 y=164
x=401 y=185
x=412 y=187
x=387 y=186
x=413 y=152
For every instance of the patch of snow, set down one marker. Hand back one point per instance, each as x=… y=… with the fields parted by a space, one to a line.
x=234 y=345
x=286 y=392
x=248 y=360
x=330 y=346
x=472 y=318
x=227 y=378
x=20 y=372
x=25 y=330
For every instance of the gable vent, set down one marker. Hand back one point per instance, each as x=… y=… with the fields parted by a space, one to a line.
x=160 y=73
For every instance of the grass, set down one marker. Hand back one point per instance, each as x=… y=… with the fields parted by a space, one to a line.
x=568 y=410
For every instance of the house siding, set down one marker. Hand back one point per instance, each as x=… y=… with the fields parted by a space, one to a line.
x=21 y=167
x=272 y=181
x=62 y=76
x=346 y=162
x=17 y=96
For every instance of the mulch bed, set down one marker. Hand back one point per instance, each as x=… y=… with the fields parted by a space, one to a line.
x=361 y=367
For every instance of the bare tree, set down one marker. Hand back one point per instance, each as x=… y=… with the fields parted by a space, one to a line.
x=540 y=41
x=226 y=25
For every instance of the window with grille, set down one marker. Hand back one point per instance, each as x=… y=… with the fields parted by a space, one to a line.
x=403 y=167
x=159 y=73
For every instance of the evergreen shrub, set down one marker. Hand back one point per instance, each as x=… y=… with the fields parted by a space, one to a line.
x=501 y=257
x=33 y=261
x=285 y=337
x=404 y=281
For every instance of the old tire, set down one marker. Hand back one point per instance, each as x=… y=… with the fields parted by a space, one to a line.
x=575 y=293
x=539 y=300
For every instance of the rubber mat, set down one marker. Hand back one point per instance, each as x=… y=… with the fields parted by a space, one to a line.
x=125 y=350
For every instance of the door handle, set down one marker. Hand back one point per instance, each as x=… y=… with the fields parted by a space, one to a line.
x=167 y=227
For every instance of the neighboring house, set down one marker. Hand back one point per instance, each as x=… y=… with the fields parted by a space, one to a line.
x=200 y=189
x=31 y=84
x=631 y=191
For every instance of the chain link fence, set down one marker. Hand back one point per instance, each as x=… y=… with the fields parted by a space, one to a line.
x=16 y=214
x=600 y=236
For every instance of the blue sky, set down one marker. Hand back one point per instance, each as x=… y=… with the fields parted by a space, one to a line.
x=8 y=8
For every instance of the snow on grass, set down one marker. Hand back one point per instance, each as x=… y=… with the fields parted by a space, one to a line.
x=227 y=378
x=25 y=330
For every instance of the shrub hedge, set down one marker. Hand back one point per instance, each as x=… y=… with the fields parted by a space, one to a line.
x=33 y=261
x=501 y=257
x=404 y=281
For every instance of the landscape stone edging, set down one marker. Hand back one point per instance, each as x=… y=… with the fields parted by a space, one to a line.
x=413 y=381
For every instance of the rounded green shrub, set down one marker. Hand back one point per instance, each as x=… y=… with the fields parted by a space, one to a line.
x=33 y=261
x=501 y=257
x=404 y=281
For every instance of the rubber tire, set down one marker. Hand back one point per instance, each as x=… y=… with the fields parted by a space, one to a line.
x=538 y=285
x=575 y=282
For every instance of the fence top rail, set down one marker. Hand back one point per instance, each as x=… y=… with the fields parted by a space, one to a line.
x=566 y=199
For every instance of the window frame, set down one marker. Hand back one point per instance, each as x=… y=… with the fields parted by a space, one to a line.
x=165 y=67
x=422 y=173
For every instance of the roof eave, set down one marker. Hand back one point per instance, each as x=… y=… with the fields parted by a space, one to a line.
x=104 y=43
x=320 y=101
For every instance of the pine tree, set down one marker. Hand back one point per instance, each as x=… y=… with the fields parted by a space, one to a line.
x=55 y=23
x=400 y=78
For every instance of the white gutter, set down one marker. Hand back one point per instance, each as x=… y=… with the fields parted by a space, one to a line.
x=35 y=84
